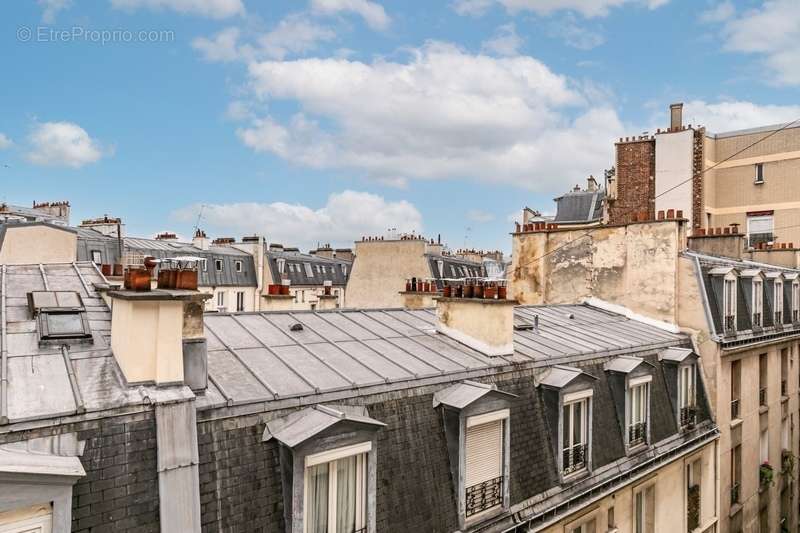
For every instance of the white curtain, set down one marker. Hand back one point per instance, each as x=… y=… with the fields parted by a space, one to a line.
x=346 y=494
x=318 y=499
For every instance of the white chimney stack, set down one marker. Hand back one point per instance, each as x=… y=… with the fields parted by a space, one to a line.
x=486 y=325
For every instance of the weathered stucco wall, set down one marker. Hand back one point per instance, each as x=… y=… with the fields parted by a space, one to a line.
x=633 y=265
x=24 y=245
x=673 y=188
x=381 y=269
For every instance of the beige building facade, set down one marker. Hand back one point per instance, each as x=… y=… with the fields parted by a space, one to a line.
x=750 y=369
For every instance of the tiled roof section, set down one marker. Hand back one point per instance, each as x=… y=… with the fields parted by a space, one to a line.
x=38 y=380
x=256 y=357
x=296 y=267
x=210 y=276
x=579 y=207
x=711 y=271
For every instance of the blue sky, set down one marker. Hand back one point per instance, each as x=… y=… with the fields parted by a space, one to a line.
x=324 y=120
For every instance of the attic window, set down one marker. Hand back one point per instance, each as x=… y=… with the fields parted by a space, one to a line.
x=729 y=303
x=218 y=265
x=758 y=302
x=309 y=270
x=281 y=265
x=795 y=301
x=238 y=265
x=60 y=315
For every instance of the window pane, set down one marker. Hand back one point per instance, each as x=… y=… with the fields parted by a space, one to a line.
x=64 y=323
x=577 y=437
x=317 y=499
x=566 y=422
x=346 y=491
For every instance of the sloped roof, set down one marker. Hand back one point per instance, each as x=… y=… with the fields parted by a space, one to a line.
x=300 y=426
x=676 y=354
x=624 y=364
x=323 y=268
x=559 y=376
x=465 y=393
x=579 y=207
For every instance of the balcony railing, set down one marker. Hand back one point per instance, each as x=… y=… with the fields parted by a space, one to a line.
x=574 y=458
x=735 y=489
x=688 y=416
x=636 y=434
x=484 y=496
x=734 y=409
x=756 y=320
x=730 y=323
x=762 y=396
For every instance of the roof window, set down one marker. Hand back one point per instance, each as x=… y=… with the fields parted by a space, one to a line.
x=61 y=315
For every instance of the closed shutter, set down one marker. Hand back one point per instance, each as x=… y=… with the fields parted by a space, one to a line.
x=484 y=453
x=38 y=519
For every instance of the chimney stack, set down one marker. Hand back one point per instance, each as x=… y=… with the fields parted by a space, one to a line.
x=484 y=325
x=676 y=116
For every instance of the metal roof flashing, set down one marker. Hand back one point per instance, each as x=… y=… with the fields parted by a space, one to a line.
x=467 y=392
x=298 y=427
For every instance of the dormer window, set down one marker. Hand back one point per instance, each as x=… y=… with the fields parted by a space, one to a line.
x=484 y=452
x=218 y=265
x=758 y=302
x=687 y=395
x=575 y=432
x=729 y=305
x=281 y=262
x=778 y=292
x=336 y=490
x=238 y=266
x=638 y=411
x=680 y=371
x=795 y=300
x=309 y=270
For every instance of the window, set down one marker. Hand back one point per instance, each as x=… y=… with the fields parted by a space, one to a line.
x=309 y=270
x=778 y=302
x=638 y=410
x=729 y=303
x=758 y=302
x=736 y=474
x=97 y=257
x=574 y=435
x=221 y=300
x=784 y=372
x=204 y=264
x=60 y=314
x=762 y=379
x=611 y=522
x=336 y=489
x=687 y=383
x=218 y=265
x=589 y=526
x=344 y=270
x=693 y=488
x=795 y=301
x=759 y=229
x=240 y=301
x=763 y=446
x=759 y=173
x=238 y=266
x=281 y=262
x=736 y=387
x=484 y=448
x=644 y=506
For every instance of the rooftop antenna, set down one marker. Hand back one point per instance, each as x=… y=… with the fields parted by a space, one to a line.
x=199 y=217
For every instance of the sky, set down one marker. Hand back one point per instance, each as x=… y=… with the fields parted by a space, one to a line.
x=322 y=121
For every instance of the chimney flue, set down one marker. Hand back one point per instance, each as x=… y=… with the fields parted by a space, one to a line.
x=676 y=116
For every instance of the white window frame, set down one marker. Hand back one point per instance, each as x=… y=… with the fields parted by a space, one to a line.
x=751 y=220
x=638 y=393
x=218 y=265
x=759 y=173
x=220 y=298
x=569 y=403
x=687 y=386
x=795 y=299
x=729 y=298
x=640 y=518
x=281 y=262
x=309 y=270
x=240 y=301
x=97 y=259
x=344 y=270
x=778 y=298
x=204 y=264
x=758 y=300
x=238 y=265
x=361 y=452
x=502 y=415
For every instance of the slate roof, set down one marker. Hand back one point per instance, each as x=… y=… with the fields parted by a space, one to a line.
x=579 y=207
x=449 y=267
x=255 y=357
x=710 y=272
x=335 y=270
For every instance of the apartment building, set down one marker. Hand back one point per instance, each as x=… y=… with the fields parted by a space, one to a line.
x=147 y=415
x=383 y=266
x=56 y=213
x=742 y=317
x=745 y=179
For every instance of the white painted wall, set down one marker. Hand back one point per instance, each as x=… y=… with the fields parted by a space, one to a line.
x=673 y=167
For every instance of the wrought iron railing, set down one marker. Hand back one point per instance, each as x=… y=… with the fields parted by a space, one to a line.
x=734 y=409
x=636 y=434
x=688 y=416
x=756 y=320
x=730 y=323
x=735 y=488
x=762 y=396
x=484 y=496
x=574 y=458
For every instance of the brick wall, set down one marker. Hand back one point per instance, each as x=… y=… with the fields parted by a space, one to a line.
x=698 y=161
x=636 y=170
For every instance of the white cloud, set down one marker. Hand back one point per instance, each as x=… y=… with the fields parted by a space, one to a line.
x=217 y=9
x=505 y=41
x=51 y=9
x=574 y=34
x=736 y=115
x=719 y=13
x=295 y=34
x=5 y=142
x=587 y=8
x=62 y=144
x=372 y=12
x=443 y=114
x=345 y=217
x=771 y=32
x=479 y=215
